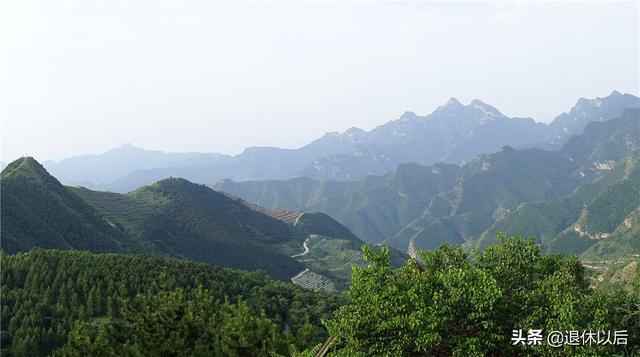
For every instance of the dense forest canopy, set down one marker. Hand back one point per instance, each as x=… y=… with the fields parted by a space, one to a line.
x=469 y=304
x=46 y=294
x=451 y=303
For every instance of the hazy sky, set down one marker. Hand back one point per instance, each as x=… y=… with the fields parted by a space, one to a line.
x=81 y=77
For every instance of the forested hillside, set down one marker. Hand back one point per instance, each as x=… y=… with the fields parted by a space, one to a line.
x=599 y=219
x=521 y=191
x=452 y=303
x=176 y=218
x=108 y=304
x=38 y=211
x=190 y=221
x=374 y=208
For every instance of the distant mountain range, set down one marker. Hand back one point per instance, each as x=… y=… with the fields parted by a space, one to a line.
x=574 y=185
x=453 y=133
x=583 y=198
x=175 y=218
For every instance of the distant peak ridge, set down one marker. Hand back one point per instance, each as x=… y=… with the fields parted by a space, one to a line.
x=453 y=102
x=453 y=133
x=455 y=105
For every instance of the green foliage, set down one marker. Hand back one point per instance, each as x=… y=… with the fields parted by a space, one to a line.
x=48 y=293
x=468 y=304
x=609 y=209
x=186 y=220
x=172 y=218
x=373 y=208
x=38 y=211
x=169 y=322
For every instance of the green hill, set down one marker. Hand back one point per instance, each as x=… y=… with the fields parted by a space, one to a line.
x=612 y=218
x=190 y=221
x=374 y=208
x=489 y=187
x=597 y=218
x=38 y=211
x=173 y=218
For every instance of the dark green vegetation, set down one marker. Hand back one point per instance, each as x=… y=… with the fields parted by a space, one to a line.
x=191 y=221
x=581 y=199
x=108 y=304
x=38 y=211
x=465 y=304
x=173 y=217
x=454 y=303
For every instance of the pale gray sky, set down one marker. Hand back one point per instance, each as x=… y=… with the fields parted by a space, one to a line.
x=81 y=77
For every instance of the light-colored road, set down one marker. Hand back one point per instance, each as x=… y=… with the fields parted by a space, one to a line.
x=306 y=249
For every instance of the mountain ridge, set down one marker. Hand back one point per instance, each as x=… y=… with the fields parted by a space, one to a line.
x=452 y=133
x=471 y=199
x=172 y=217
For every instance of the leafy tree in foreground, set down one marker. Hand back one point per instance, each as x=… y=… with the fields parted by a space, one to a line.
x=464 y=304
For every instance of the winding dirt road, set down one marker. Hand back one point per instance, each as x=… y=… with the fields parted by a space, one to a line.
x=306 y=249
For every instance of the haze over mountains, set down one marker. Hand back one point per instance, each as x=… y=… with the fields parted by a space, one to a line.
x=453 y=133
x=579 y=199
x=572 y=184
x=583 y=198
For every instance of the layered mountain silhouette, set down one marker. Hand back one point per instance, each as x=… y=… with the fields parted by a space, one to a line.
x=172 y=217
x=453 y=133
x=458 y=175
x=577 y=199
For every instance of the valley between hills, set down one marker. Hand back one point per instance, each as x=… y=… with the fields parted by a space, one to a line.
x=363 y=228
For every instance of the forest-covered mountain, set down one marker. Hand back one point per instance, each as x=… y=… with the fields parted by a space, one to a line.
x=453 y=133
x=599 y=220
x=36 y=210
x=424 y=206
x=174 y=218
